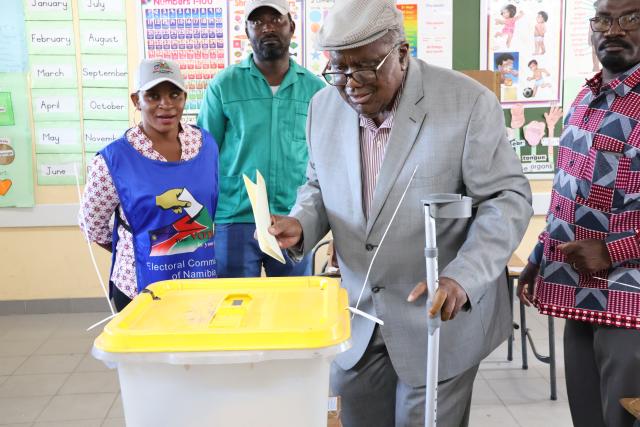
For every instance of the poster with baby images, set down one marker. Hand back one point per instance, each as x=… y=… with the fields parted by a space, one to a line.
x=523 y=41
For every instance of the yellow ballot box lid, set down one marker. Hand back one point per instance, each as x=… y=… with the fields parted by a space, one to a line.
x=212 y=315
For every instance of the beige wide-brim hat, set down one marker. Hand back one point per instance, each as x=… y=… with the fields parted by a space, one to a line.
x=152 y=72
x=354 y=23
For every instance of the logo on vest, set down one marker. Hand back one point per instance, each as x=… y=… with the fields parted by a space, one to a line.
x=191 y=231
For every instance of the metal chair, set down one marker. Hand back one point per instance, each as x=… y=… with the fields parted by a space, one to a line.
x=525 y=335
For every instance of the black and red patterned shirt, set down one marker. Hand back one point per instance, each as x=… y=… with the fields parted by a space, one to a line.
x=596 y=195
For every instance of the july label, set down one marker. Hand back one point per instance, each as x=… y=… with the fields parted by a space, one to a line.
x=101 y=9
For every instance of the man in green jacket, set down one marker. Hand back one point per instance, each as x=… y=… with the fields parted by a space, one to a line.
x=257 y=112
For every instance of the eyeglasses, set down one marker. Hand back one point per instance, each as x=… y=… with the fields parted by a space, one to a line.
x=275 y=20
x=337 y=78
x=628 y=22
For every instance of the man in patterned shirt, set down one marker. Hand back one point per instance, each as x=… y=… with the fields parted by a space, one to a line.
x=585 y=267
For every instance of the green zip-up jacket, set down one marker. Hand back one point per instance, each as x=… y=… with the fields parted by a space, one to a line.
x=255 y=129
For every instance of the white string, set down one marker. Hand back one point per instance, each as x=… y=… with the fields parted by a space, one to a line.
x=617 y=283
x=86 y=235
x=375 y=254
x=101 y=322
x=366 y=315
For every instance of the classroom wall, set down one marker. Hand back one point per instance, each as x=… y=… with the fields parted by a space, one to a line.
x=53 y=262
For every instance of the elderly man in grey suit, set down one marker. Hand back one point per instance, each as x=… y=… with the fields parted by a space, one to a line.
x=384 y=115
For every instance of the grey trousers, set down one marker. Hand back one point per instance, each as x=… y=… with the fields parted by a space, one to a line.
x=602 y=366
x=373 y=396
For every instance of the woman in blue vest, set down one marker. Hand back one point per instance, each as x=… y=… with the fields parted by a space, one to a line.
x=160 y=179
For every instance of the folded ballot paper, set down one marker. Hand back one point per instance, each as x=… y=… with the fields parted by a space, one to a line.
x=260 y=206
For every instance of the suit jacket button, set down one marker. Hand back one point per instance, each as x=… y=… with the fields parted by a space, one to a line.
x=369 y=247
x=375 y=289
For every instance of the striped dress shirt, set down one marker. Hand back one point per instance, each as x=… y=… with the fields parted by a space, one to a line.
x=373 y=145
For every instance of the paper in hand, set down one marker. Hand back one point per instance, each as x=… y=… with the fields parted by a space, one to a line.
x=260 y=206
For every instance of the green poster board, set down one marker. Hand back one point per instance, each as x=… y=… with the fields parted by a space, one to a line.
x=16 y=176
x=6 y=109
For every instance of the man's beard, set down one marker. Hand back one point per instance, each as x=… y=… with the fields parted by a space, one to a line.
x=615 y=63
x=271 y=52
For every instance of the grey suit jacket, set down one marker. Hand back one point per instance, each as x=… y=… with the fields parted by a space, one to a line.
x=453 y=129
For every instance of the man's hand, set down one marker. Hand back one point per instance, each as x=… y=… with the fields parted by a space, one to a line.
x=527 y=283
x=286 y=229
x=448 y=300
x=586 y=256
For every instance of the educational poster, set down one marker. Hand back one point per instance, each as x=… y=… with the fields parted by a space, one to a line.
x=13 y=49
x=428 y=27
x=239 y=45
x=409 y=11
x=16 y=178
x=193 y=36
x=435 y=44
x=315 y=12
x=524 y=44
x=583 y=63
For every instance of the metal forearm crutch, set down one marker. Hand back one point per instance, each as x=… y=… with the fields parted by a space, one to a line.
x=436 y=206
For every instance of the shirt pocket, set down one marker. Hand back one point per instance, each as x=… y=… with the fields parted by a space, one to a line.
x=300 y=122
x=629 y=168
x=231 y=193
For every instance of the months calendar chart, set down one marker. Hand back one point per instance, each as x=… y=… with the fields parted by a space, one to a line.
x=194 y=34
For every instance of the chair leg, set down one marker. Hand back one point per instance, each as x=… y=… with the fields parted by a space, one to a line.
x=510 y=283
x=523 y=336
x=552 y=358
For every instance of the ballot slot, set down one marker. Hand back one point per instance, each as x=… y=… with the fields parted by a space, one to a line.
x=231 y=311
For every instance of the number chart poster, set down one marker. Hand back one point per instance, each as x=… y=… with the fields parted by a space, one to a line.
x=194 y=34
x=522 y=40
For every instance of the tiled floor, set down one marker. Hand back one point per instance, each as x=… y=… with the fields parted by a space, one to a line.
x=49 y=378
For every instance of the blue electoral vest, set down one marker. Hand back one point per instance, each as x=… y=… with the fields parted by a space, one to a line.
x=170 y=208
